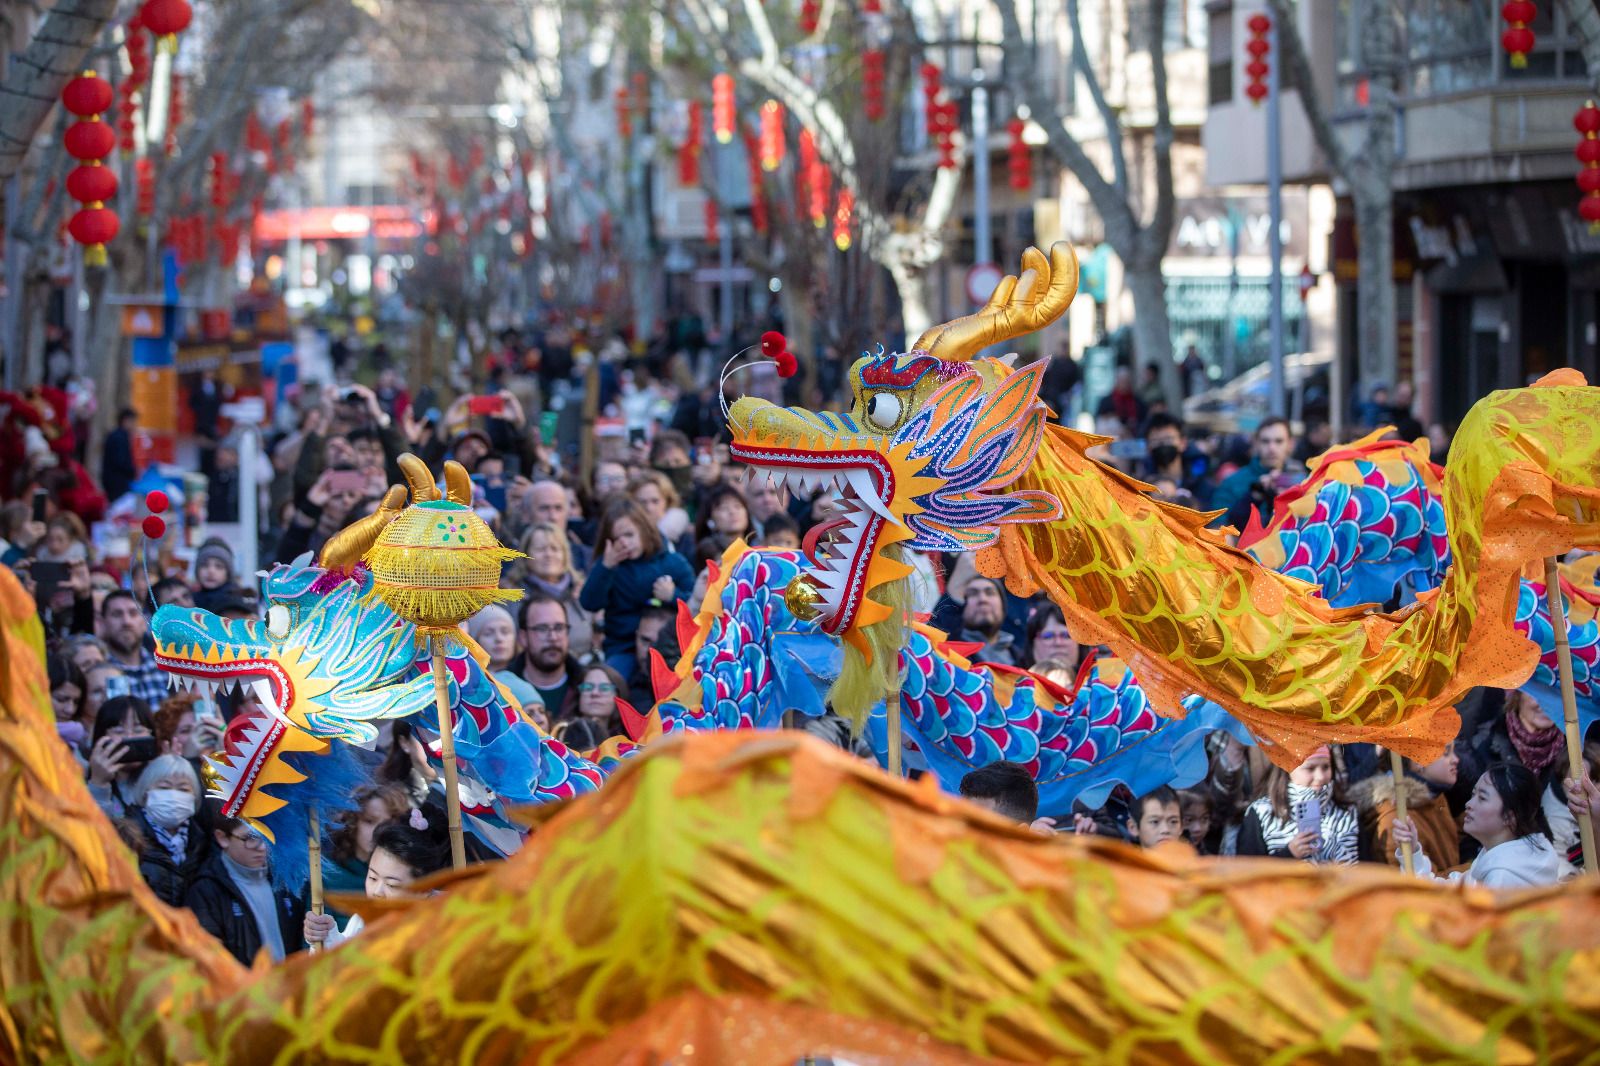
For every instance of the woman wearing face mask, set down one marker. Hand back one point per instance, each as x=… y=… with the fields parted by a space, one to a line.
x=1505 y=818
x=1302 y=815
x=162 y=804
x=404 y=850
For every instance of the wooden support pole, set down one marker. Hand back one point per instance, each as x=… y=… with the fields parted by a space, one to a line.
x=1398 y=766
x=1569 y=702
x=447 y=753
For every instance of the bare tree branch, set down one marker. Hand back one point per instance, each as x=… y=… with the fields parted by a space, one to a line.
x=1296 y=74
x=1583 y=19
x=34 y=83
x=1108 y=117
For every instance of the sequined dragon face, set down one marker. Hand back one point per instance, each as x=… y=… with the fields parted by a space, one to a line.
x=920 y=461
x=325 y=665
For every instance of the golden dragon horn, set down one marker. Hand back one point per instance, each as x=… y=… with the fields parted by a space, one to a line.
x=1019 y=306
x=418 y=476
x=346 y=547
x=457 y=485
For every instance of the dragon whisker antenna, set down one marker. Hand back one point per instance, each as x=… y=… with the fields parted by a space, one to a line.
x=154 y=527
x=776 y=349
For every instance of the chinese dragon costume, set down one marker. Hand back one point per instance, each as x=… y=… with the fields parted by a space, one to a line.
x=744 y=897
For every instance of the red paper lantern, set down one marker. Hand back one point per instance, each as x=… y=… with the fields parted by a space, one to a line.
x=94 y=227
x=872 y=79
x=689 y=150
x=91 y=183
x=1518 y=40
x=145 y=173
x=713 y=222
x=89 y=139
x=1257 y=47
x=810 y=16
x=166 y=19
x=87 y=94
x=1019 y=164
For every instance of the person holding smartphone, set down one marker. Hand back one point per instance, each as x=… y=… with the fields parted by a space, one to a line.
x=1302 y=814
x=122 y=743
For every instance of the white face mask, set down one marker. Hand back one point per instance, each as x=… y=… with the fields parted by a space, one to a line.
x=168 y=807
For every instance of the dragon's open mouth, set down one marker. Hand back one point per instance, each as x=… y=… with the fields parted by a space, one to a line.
x=253 y=735
x=840 y=549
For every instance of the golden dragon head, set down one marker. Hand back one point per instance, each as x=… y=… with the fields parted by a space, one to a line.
x=933 y=437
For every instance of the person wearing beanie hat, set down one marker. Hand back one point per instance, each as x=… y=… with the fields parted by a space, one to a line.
x=526 y=696
x=213 y=574
x=496 y=633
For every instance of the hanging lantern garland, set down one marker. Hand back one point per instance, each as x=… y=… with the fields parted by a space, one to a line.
x=1518 y=40
x=175 y=114
x=940 y=115
x=1257 y=46
x=722 y=108
x=138 y=49
x=689 y=150
x=1587 y=123
x=813 y=179
x=145 y=174
x=754 y=148
x=810 y=16
x=1019 y=164
x=713 y=221
x=166 y=19
x=772 y=142
x=843 y=215
x=872 y=80
x=91 y=183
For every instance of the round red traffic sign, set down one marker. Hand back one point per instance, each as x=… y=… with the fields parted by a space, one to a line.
x=982 y=280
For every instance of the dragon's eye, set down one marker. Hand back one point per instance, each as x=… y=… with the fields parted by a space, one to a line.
x=883 y=410
x=278 y=621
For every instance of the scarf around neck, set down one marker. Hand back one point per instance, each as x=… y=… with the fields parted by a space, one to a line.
x=1537 y=748
x=1338 y=826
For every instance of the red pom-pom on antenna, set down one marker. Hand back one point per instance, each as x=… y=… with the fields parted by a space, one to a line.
x=773 y=343
x=156 y=500
x=787 y=364
x=154 y=526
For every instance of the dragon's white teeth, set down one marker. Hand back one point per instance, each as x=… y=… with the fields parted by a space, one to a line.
x=861 y=482
x=263 y=692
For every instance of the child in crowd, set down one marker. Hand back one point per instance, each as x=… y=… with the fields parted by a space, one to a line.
x=1303 y=815
x=634 y=568
x=404 y=850
x=213 y=574
x=1156 y=817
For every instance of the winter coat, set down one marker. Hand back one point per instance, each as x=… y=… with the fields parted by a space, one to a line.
x=1265 y=833
x=1519 y=863
x=221 y=908
x=167 y=878
x=625 y=592
x=1438 y=835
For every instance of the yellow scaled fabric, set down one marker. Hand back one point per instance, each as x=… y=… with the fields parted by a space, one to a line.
x=747 y=898
x=1188 y=613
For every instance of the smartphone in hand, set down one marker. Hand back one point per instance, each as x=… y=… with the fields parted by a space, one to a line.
x=486 y=405
x=1309 y=819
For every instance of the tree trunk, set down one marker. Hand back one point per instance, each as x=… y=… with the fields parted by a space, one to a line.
x=1583 y=18
x=1376 y=358
x=1152 y=329
x=911 y=283
x=34 y=79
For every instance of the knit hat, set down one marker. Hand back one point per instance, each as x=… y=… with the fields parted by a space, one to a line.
x=480 y=621
x=215 y=549
x=520 y=689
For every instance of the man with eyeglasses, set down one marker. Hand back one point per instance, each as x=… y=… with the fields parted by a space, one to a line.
x=545 y=660
x=233 y=897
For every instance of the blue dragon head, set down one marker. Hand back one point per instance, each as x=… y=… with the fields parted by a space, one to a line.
x=922 y=462
x=328 y=664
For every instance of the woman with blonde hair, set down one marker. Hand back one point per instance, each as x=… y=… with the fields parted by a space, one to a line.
x=549 y=569
x=653 y=492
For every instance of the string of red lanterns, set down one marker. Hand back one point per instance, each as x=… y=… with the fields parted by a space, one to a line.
x=175 y=113
x=940 y=115
x=872 y=82
x=1019 y=164
x=1518 y=39
x=843 y=215
x=722 y=107
x=89 y=140
x=1587 y=123
x=1257 y=46
x=772 y=142
x=689 y=150
x=810 y=16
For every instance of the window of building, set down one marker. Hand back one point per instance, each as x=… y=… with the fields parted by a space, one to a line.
x=1219 y=55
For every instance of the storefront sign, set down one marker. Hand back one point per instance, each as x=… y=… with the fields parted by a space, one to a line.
x=1206 y=226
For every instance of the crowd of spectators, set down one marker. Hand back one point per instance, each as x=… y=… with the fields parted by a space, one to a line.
x=609 y=558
